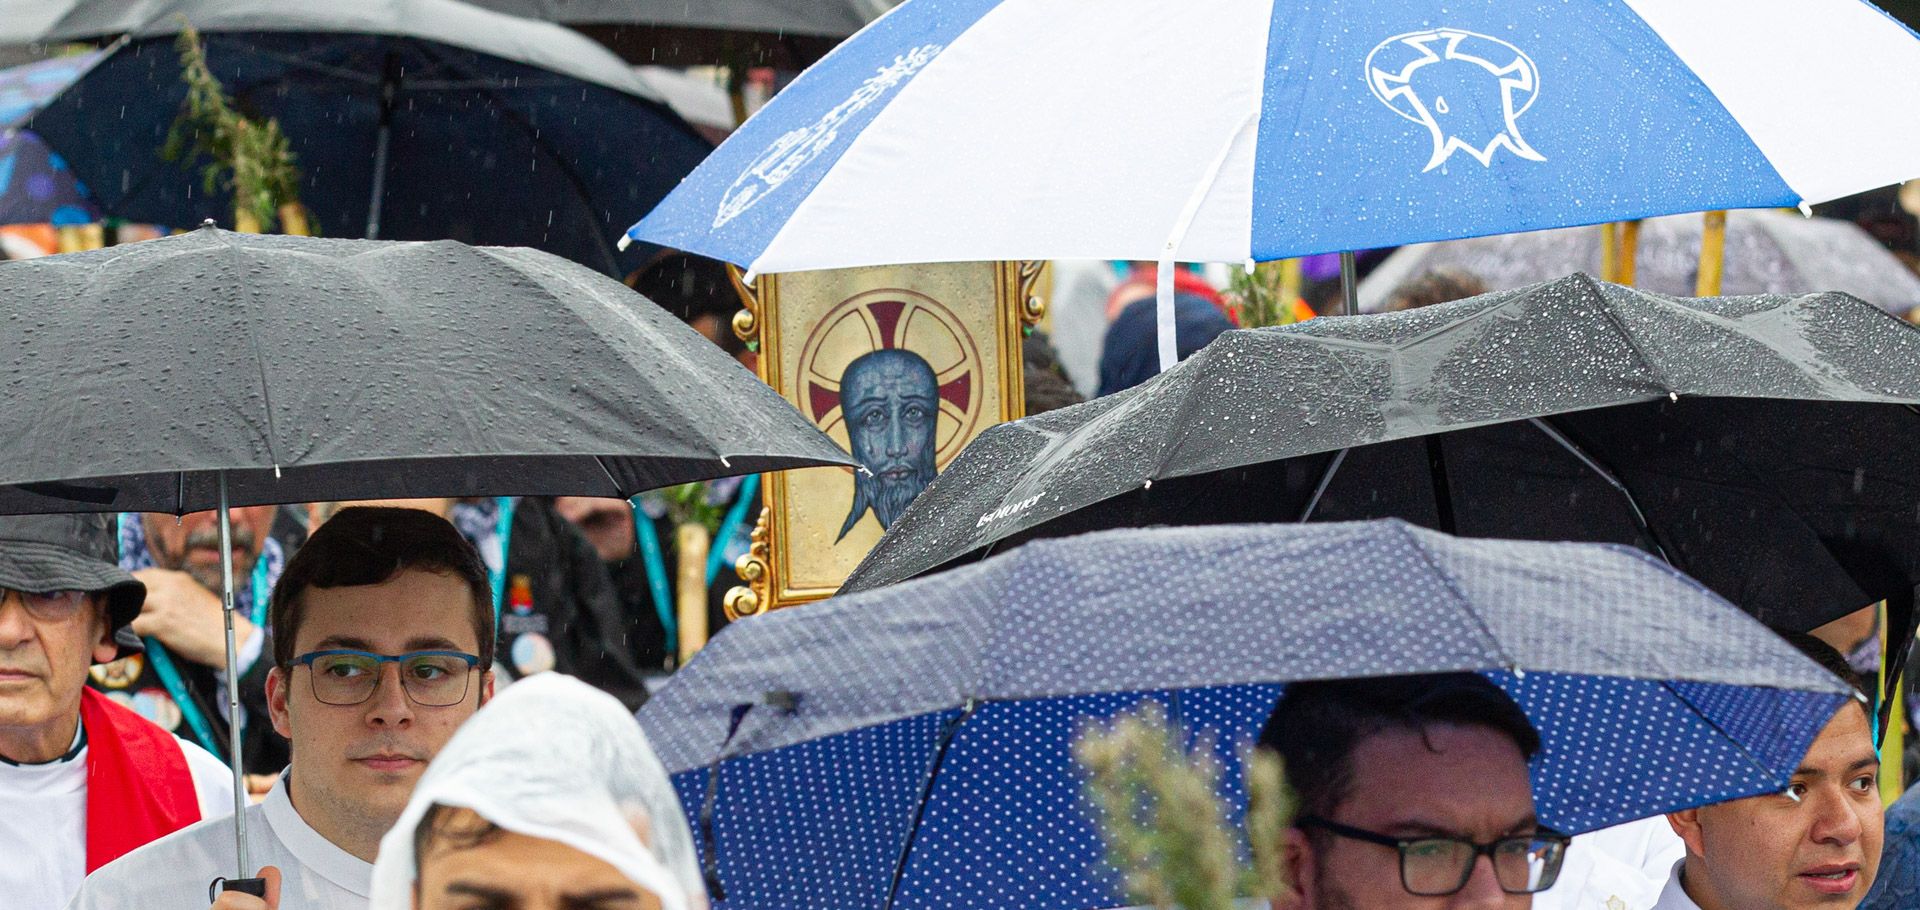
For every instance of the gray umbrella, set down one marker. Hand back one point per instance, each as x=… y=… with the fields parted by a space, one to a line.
x=1767 y=252
x=1767 y=446
x=826 y=18
x=215 y=369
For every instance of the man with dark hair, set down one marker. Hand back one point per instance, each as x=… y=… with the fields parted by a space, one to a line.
x=83 y=779
x=1815 y=844
x=1412 y=793
x=383 y=642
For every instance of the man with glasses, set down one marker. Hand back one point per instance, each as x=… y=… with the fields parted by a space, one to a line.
x=83 y=779
x=383 y=640
x=1413 y=795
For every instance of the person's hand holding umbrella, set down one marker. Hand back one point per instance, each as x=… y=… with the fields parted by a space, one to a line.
x=186 y=617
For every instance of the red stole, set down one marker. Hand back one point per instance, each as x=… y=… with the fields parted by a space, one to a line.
x=139 y=787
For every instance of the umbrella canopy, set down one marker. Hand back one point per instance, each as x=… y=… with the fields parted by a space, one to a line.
x=497 y=130
x=824 y=18
x=954 y=701
x=1764 y=445
x=1269 y=129
x=1767 y=252
x=307 y=369
x=35 y=185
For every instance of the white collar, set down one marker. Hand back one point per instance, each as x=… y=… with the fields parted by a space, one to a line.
x=323 y=857
x=1673 y=896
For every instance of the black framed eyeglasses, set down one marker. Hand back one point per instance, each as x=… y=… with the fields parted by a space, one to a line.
x=1439 y=866
x=434 y=679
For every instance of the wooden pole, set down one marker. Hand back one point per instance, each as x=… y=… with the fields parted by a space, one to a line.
x=1610 y=251
x=691 y=541
x=1629 y=251
x=1713 y=255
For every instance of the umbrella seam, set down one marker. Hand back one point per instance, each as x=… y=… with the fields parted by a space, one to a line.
x=260 y=366
x=1691 y=707
x=1613 y=319
x=1466 y=603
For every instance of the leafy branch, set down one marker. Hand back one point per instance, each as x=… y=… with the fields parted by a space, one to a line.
x=249 y=158
x=1164 y=827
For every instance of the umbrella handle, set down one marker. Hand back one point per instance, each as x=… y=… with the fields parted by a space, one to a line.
x=254 y=886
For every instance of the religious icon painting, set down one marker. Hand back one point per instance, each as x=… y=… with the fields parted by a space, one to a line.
x=902 y=366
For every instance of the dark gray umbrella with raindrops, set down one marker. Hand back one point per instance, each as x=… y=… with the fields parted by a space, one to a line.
x=214 y=369
x=1768 y=446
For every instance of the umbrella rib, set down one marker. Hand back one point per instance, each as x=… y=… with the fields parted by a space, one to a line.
x=1466 y=603
x=1613 y=319
x=926 y=793
x=1326 y=480
x=1745 y=753
x=1593 y=464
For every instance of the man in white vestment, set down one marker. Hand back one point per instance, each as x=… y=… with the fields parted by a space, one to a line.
x=383 y=646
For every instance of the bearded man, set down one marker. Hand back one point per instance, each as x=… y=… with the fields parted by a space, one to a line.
x=891 y=402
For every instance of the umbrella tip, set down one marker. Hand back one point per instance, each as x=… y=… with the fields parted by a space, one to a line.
x=208 y=223
x=626 y=240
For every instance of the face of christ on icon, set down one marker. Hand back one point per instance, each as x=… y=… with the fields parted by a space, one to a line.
x=891 y=402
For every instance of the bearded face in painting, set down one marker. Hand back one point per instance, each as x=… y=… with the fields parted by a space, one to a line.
x=891 y=402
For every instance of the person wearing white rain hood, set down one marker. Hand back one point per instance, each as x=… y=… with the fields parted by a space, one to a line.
x=549 y=798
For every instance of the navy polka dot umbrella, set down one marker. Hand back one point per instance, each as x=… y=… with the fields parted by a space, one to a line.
x=910 y=747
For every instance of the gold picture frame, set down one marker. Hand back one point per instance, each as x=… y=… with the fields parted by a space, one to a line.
x=962 y=323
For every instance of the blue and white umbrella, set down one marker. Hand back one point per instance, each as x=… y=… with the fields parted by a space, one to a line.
x=1236 y=130
x=909 y=747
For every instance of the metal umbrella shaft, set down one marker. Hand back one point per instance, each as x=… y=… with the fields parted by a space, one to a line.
x=233 y=687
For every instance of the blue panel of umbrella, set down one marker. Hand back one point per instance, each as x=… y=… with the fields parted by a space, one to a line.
x=910 y=746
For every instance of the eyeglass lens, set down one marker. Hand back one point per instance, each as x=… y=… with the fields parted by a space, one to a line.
x=1440 y=866
x=48 y=606
x=434 y=680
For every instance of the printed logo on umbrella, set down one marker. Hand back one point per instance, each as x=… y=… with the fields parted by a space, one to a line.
x=796 y=149
x=1467 y=89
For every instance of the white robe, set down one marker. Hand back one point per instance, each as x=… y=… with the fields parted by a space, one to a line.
x=1619 y=868
x=43 y=823
x=1675 y=897
x=173 y=872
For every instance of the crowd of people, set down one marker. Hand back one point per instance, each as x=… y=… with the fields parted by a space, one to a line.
x=496 y=762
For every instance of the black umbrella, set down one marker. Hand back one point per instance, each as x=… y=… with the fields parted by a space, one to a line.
x=1767 y=446
x=412 y=119
x=787 y=34
x=215 y=369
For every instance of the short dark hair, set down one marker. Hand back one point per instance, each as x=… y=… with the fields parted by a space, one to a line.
x=367 y=545
x=446 y=823
x=1316 y=726
x=1830 y=659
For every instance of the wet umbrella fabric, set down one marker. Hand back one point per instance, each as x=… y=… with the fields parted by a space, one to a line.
x=1767 y=252
x=310 y=369
x=1767 y=446
x=501 y=130
x=925 y=728
x=215 y=369
x=1301 y=127
x=824 y=18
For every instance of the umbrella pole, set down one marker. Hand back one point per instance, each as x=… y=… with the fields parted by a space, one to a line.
x=1713 y=254
x=389 y=86
x=1349 y=285
x=233 y=686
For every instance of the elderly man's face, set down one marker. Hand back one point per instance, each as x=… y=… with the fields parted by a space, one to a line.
x=1446 y=781
x=1817 y=845
x=191 y=544
x=44 y=654
x=892 y=407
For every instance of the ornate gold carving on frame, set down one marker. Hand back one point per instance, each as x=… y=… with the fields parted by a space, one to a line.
x=1018 y=307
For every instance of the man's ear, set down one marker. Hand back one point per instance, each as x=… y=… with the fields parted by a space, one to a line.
x=1297 y=865
x=486 y=687
x=277 y=682
x=1686 y=824
x=104 y=647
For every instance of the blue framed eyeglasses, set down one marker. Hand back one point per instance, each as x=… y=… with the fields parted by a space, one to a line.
x=343 y=676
